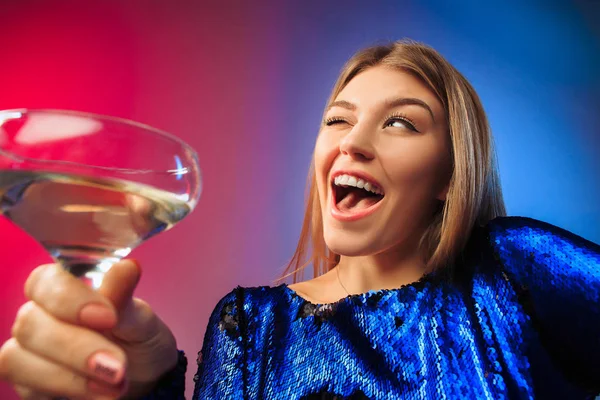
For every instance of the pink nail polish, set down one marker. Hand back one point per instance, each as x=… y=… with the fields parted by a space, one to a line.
x=106 y=368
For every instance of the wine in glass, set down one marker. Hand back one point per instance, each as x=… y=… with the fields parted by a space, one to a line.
x=90 y=188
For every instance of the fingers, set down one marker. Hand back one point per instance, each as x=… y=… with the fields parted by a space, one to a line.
x=38 y=378
x=65 y=296
x=53 y=353
x=82 y=350
x=120 y=282
x=137 y=323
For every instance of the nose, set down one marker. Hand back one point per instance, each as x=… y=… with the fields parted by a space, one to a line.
x=358 y=145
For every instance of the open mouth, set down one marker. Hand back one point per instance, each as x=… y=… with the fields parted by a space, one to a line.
x=353 y=194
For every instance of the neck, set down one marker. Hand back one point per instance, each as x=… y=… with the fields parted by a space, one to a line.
x=387 y=270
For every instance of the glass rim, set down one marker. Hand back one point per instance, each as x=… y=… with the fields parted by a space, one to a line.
x=103 y=117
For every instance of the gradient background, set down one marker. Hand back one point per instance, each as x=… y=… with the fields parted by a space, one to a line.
x=245 y=82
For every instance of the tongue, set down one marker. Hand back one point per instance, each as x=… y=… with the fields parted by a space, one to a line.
x=355 y=200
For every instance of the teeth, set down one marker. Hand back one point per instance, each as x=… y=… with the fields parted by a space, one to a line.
x=349 y=180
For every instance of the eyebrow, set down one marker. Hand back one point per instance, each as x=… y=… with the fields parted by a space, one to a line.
x=402 y=101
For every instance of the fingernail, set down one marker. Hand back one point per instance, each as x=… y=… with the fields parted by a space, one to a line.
x=106 y=368
x=97 y=316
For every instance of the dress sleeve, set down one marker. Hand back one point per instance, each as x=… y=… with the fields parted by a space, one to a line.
x=557 y=277
x=221 y=362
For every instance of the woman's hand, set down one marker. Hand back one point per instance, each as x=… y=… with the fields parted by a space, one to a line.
x=69 y=340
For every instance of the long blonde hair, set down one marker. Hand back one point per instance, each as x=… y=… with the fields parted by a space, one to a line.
x=474 y=195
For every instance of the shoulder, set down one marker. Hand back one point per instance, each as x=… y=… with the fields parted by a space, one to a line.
x=517 y=225
x=531 y=249
x=237 y=308
x=249 y=298
x=274 y=300
x=517 y=233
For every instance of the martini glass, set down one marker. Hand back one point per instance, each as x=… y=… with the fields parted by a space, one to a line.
x=91 y=188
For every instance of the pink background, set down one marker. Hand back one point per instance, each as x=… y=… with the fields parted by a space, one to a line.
x=209 y=76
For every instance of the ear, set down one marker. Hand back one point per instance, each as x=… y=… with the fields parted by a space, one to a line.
x=444 y=193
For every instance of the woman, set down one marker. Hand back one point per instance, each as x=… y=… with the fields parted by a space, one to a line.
x=422 y=288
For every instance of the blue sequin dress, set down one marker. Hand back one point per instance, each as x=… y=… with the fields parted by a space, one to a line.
x=518 y=318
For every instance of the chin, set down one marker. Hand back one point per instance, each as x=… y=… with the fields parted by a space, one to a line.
x=349 y=244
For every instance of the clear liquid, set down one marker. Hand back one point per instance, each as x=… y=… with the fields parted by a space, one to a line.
x=87 y=224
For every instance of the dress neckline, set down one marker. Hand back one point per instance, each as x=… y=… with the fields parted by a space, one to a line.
x=363 y=298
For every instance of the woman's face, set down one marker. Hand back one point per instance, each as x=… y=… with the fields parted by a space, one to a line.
x=385 y=132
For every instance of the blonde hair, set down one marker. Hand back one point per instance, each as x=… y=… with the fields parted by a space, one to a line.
x=474 y=195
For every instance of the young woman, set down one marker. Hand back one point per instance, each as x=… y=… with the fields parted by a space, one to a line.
x=422 y=287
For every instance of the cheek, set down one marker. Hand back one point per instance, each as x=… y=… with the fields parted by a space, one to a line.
x=423 y=168
x=326 y=152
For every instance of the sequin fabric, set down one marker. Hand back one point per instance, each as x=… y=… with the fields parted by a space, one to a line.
x=518 y=317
